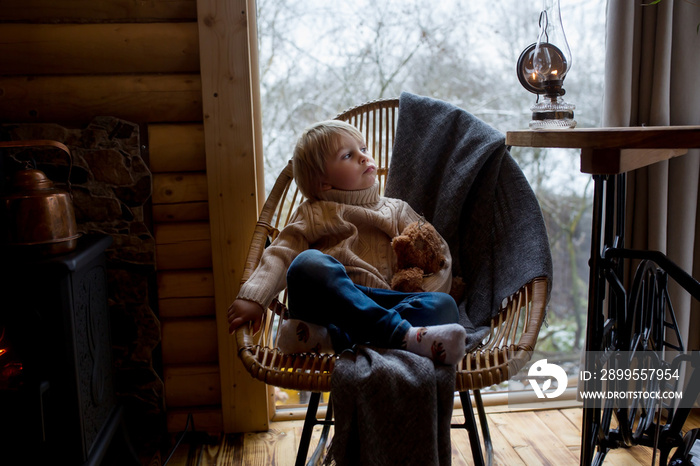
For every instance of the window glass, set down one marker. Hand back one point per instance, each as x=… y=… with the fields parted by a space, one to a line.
x=318 y=58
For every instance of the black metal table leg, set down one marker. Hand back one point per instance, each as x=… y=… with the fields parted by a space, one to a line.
x=591 y=411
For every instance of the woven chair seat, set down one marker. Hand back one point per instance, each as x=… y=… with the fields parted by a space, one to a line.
x=493 y=362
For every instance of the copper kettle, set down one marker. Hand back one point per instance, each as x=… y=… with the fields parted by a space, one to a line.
x=35 y=216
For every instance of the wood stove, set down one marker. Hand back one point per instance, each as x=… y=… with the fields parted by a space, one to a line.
x=57 y=397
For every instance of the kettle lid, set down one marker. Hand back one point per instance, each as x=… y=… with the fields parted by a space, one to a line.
x=30 y=179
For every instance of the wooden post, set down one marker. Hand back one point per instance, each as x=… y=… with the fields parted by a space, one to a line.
x=228 y=63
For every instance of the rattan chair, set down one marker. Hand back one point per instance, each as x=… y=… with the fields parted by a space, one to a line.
x=505 y=350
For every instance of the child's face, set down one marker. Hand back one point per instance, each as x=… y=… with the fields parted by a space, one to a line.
x=351 y=168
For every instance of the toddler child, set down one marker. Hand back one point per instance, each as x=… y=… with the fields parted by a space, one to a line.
x=335 y=258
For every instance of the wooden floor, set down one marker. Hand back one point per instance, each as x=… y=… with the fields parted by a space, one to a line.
x=531 y=438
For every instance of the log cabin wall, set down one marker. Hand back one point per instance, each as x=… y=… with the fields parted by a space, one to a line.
x=69 y=61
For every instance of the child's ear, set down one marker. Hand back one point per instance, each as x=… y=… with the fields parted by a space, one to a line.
x=325 y=187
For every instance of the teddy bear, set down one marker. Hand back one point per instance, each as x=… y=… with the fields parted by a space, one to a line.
x=418 y=252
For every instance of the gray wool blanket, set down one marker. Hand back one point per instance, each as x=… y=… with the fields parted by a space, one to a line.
x=454 y=169
x=391 y=407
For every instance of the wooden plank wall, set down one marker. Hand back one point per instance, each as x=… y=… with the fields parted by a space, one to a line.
x=68 y=61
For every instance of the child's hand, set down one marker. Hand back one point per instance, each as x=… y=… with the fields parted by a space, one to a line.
x=243 y=311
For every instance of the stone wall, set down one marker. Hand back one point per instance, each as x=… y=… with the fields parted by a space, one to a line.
x=111 y=186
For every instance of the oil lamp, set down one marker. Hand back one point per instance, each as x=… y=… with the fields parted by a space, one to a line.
x=542 y=67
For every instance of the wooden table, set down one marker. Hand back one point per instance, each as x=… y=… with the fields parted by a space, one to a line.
x=608 y=154
x=612 y=151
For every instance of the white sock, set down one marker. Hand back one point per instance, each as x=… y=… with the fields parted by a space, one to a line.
x=444 y=344
x=297 y=336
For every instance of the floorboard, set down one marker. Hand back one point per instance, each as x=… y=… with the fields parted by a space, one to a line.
x=527 y=438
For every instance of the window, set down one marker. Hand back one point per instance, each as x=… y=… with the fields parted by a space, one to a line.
x=318 y=58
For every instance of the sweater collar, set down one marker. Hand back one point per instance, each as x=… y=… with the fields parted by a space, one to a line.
x=366 y=196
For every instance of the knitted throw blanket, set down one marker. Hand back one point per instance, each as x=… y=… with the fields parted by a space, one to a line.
x=391 y=407
x=454 y=169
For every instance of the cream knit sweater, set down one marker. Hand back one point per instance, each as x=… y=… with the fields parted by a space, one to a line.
x=355 y=227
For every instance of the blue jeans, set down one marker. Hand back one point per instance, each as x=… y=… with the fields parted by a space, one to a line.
x=321 y=292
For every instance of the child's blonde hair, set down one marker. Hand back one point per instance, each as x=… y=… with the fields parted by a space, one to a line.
x=317 y=142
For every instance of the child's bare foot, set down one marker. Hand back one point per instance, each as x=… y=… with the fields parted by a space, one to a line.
x=444 y=344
